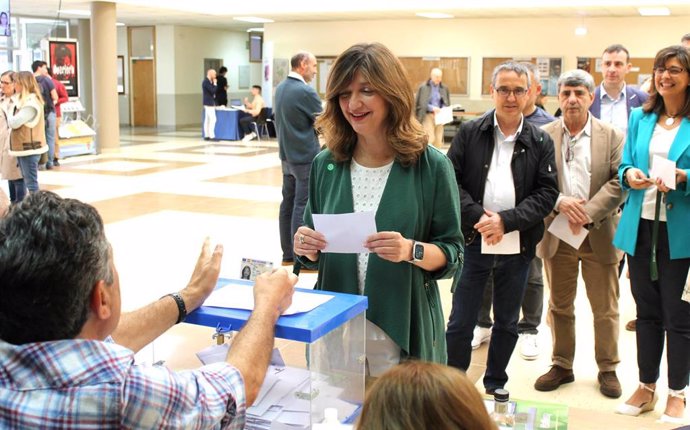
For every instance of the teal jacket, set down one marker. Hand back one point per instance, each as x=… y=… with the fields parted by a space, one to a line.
x=636 y=154
x=421 y=202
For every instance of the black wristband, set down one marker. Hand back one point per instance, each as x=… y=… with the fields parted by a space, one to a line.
x=181 y=308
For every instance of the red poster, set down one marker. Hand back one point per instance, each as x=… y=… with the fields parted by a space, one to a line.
x=63 y=63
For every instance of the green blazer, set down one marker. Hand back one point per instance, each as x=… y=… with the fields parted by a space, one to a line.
x=421 y=202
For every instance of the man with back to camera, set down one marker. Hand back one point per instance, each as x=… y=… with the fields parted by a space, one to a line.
x=253 y=108
x=506 y=174
x=208 y=89
x=431 y=97
x=59 y=365
x=533 y=302
x=295 y=110
x=588 y=152
x=221 y=87
x=50 y=98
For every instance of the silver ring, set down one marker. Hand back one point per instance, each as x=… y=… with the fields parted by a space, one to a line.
x=301 y=239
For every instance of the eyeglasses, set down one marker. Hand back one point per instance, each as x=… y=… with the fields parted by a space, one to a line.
x=505 y=92
x=570 y=149
x=6 y=82
x=673 y=71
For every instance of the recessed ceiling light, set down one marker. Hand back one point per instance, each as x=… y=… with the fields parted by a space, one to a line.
x=581 y=31
x=255 y=30
x=77 y=12
x=120 y=24
x=654 y=11
x=253 y=19
x=434 y=15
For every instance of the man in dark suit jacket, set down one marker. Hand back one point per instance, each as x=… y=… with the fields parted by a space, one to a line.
x=506 y=174
x=613 y=99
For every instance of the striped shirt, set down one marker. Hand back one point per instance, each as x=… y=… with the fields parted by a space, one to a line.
x=88 y=384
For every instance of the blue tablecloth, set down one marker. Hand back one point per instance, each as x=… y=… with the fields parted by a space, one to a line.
x=227 y=124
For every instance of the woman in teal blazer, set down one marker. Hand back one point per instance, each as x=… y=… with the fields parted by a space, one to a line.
x=655 y=233
x=377 y=158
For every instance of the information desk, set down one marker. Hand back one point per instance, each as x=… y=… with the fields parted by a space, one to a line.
x=227 y=124
x=334 y=345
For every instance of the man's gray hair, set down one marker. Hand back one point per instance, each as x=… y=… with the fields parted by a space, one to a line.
x=576 y=78
x=510 y=66
x=533 y=70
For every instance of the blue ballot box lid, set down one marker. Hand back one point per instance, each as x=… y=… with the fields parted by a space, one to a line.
x=304 y=327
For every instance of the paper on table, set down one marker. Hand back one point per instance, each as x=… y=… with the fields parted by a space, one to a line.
x=345 y=233
x=664 y=169
x=237 y=107
x=444 y=116
x=510 y=244
x=560 y=228
x=234 y=296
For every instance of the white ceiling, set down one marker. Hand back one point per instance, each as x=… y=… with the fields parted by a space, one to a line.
x=220 y=13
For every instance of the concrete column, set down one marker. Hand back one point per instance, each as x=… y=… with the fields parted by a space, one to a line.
x=104 y=74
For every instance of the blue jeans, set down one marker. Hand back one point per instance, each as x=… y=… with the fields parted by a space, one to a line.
x=50 y=137
x=29 y=167
x=17 y=190
x=510 y=279
x=295 y=194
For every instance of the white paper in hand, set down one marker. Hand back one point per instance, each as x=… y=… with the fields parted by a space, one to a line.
x=345 y=233
x=560 y=228
x=444 y=116
x=665 y=170
x=509 y=245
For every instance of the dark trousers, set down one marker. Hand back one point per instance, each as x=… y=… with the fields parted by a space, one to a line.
x=295 y=194
x=660 y=310
x=246 y=124
x=532 y=303
x=510 y=279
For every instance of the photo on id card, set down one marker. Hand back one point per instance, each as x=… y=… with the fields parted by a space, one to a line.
x=250 y=268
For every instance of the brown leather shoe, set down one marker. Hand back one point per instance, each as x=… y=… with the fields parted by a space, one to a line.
x=631 y=325
x=554 y=378
x=609 y=384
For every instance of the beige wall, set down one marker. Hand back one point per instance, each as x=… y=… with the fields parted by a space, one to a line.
x=477 y=38
x=179 y=69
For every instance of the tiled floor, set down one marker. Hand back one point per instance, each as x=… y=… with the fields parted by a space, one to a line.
x=165 y=191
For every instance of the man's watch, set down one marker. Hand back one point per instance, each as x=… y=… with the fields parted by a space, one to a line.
x=417 y=251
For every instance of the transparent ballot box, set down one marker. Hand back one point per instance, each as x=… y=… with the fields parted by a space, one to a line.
x=318 y=362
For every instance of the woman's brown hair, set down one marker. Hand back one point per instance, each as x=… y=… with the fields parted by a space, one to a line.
x=655 y=102
x=387 y=76
x=29 y=85
x=421 y=395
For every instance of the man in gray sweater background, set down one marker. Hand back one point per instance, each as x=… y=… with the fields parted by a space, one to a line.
x=296 y=106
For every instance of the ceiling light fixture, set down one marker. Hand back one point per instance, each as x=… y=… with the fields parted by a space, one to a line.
x=434 y=15
x=654 y=11
x=77 y=12
x=580 y=30
x=255 y=30
x=252 y=19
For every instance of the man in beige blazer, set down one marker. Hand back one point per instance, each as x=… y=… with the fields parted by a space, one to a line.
x=588 y=152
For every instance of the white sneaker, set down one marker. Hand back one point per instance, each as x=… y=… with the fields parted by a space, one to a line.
x=529 y=348
x=249 y=137
x=480 y=335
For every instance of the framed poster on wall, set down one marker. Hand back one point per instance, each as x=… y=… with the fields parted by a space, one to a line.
x=63 y=62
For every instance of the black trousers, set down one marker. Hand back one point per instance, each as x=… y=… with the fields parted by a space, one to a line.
x=660 y=310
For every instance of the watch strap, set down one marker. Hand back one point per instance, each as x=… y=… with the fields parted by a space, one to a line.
x=181 y=308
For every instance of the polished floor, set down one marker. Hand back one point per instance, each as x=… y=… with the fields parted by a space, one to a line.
x=166 y=190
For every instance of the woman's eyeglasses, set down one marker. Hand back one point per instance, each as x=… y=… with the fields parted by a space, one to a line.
x=673 y=71
x=6 y=82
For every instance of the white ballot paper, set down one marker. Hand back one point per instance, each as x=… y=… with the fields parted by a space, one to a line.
x=444 y=116
x=664 y=169
x=560 y=228
x=235 y=296
x=510 y=244
x=345 y=233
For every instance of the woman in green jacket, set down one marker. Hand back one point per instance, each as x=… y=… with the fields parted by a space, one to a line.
x=377 y=159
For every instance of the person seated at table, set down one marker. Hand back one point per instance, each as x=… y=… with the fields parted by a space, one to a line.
x=424 y=395
x=254 y=109
x=67 y=352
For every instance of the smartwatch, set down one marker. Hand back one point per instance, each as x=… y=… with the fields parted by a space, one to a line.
x=417 y=251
